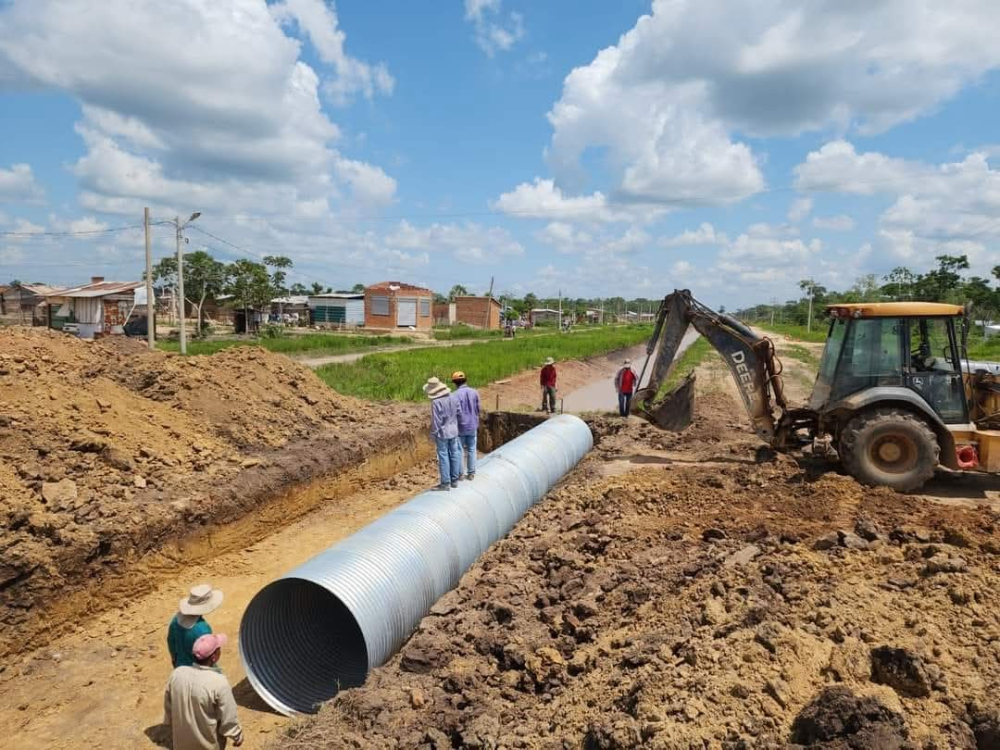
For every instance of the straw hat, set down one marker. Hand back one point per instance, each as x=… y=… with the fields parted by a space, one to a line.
x=549 y=361
x=201 y=600
x=435 y=389
x=627 y=362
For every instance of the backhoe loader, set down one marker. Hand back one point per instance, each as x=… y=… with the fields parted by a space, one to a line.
x=896 y=395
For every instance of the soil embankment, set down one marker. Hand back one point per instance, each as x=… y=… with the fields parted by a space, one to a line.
x=110 y=451
x=696 y=590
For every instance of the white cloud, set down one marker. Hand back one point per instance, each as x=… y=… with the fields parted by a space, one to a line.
x=492 y=32
x=953 y=205
x=839 y=223
x=800 y=209
x=17 y=184
x=222 y=117
x=564 y=237
x=468 y=243
x=318 y=20
x=543 y=199
x=661 y=106
x=703 y=235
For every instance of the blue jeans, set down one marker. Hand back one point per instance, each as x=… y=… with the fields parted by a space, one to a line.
x=449 y=452
x=468 y=443
x=624 y=403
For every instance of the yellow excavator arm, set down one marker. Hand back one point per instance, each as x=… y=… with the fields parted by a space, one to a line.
x=750 y=358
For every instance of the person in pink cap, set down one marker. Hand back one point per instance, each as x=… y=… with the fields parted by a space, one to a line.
x=198 y=704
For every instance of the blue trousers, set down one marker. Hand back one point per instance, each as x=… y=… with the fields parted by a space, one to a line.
x=624 y=404
x=468 y=443
x=449 y=452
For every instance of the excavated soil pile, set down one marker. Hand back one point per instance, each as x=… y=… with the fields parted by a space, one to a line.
x=108 y=450
x=744 y=602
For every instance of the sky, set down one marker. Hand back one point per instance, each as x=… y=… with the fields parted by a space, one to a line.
x=592 y=148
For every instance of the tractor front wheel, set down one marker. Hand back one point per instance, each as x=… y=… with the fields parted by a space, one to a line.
x=889 y=447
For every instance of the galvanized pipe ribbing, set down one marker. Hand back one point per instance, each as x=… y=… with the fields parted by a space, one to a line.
x=324 y=625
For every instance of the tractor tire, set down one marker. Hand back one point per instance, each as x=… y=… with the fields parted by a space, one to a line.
x=889 y=448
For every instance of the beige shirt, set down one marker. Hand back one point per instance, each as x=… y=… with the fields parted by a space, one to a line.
x=200 y=709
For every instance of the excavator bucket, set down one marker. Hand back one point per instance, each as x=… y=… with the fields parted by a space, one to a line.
x=675 y=411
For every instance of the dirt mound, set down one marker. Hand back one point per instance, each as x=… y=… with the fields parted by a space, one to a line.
x=739 y=601
x=108 y=448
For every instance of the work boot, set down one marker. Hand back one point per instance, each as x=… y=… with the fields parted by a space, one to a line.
x=443 y=487
x=471 y=476
x=454 y=485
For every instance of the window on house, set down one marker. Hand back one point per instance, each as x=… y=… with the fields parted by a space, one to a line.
x=380 y=305
x=425 y=307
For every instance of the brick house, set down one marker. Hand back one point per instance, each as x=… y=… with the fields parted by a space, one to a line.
x=478 y=312
x=393 y=304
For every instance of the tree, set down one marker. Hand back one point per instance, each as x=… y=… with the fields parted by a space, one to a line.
x=530 y=302
x=358 y=288
x=298 y=289
x=865 y=289
x=943 y=282
x=279 y=263
x=458 y=291
x=900 y=283
x=317 y=288
x=439 y=299
x=250 y=284
x=204 y=277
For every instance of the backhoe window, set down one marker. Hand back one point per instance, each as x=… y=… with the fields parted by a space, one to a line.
x=831 y=353
x=873 y=355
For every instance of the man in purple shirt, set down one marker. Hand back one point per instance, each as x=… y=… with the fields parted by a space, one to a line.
x=444 y=430
x=468 y=421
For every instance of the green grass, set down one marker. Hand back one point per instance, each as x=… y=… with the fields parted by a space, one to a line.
x=800 y=353
x=693 y=356
x=816 y=335
x=311 y=343
x=401 y=375
x=460 y=332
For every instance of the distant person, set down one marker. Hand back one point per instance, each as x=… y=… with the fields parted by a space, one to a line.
x=444 y=430
x=625 y=382
x=189 y=623
x=548 y=383
x=468 y=422
x=198 y=704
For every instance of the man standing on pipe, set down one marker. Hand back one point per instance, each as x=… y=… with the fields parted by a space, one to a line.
x=444 y=430
x=468 y=422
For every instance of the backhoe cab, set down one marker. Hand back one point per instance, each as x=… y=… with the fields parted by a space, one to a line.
x=895 y=395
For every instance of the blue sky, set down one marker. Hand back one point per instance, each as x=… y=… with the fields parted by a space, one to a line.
x=733 y=147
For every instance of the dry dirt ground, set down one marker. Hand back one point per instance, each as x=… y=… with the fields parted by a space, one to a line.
x=695 y=590
x=108 y=451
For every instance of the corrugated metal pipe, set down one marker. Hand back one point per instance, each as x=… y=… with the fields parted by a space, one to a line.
x=323 y=626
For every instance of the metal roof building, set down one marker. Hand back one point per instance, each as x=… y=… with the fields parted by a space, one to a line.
x=98 y=308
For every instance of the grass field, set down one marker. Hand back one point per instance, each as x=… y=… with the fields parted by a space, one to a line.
x=310 y=343
x=400 y=375
x=693 y=356
x=816 y=335
x=794 y=351
x=460 y=332
x=984 y=349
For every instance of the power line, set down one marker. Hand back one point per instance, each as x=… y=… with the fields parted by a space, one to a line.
x=83 y=233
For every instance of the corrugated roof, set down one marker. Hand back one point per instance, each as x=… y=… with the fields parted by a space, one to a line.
x=298 y=299
x=100 y=289
x=41 y=290
x=338 y=295
x=398 y=285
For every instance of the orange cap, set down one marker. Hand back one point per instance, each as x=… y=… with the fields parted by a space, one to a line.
x=457 y=375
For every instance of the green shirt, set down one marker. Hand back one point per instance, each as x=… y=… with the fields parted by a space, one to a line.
x=180 y=640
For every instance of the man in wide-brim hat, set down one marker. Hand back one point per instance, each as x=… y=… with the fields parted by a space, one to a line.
x=189 y=624
x=547 y=379
x=444 y=430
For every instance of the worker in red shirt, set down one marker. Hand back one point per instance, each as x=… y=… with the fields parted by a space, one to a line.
x=548 y=383
x=625 y=382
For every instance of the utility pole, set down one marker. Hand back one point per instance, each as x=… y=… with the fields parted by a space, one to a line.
x=489 y=303
x=560 y=311
x=150 y=307
x=180 y=284
x=180 y=275
x=809 y=318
